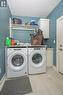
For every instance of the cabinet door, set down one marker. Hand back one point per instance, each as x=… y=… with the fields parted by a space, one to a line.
x=44 y=26
x=49 y=57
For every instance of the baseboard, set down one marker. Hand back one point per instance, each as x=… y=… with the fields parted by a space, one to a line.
x=54 y=67
x=2 y=81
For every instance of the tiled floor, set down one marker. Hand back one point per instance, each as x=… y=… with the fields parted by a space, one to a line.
x=50 y=83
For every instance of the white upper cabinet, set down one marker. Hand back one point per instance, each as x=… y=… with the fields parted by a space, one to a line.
x=44 y=26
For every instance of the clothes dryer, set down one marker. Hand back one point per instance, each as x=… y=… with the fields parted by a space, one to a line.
x=16 y=64
x=36 y=60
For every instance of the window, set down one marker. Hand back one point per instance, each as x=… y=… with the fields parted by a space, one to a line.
x=3 y=3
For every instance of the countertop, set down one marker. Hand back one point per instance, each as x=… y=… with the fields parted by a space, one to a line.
x=27 y=46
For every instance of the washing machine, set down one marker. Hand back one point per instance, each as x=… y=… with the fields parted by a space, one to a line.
x=36 y=60
x=16 y=62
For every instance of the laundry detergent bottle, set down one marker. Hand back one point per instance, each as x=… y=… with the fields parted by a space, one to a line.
x=8 y=41
x=12 y=42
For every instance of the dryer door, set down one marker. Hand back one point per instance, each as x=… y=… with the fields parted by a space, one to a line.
x=17 y=61
x=37 y=59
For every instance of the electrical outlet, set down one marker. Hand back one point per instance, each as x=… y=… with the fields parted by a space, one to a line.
x=0 y=70
x=54 y=41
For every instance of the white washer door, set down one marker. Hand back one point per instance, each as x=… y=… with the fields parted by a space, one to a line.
x=36 y=59
x=17 y=61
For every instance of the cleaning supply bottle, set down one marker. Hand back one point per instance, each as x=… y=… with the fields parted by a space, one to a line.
x=8 y=41
x=12 y=42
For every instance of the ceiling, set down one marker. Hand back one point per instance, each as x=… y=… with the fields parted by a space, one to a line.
x=36 y=8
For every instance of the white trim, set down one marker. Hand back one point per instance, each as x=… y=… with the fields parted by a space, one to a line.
x=57 y=43
x=2 y=81
x=10 y=26
x=60 y=18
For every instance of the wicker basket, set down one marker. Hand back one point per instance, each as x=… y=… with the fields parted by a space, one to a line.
x=37 y=40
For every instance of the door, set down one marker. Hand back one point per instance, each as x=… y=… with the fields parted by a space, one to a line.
x=17 y=61
x=60 y=44
x=37 y=59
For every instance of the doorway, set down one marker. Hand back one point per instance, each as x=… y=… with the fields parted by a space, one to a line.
x=59 y=45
